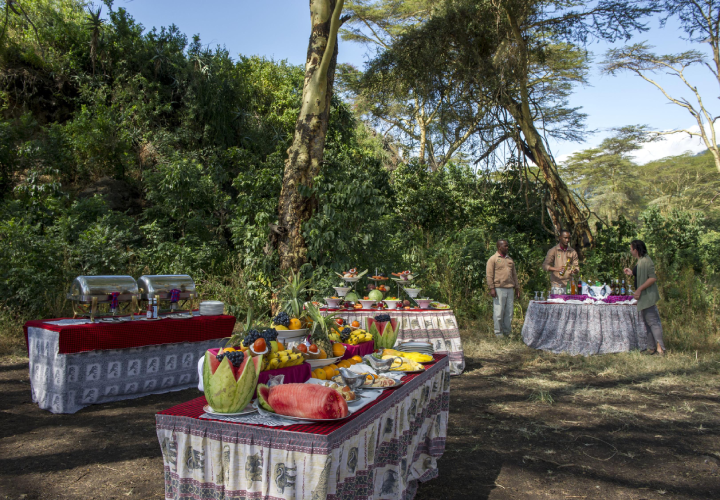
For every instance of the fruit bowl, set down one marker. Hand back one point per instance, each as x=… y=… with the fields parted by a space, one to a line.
x=367 y=304
x=342 y=290
x=333 y=303
x=392 y=304
x=285 y=335
x=413 y=292
x=424 y=303
x=317 y=363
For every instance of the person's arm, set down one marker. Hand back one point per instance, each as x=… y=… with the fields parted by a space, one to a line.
x=490 y=273
x=648 y=283
x=549 y=261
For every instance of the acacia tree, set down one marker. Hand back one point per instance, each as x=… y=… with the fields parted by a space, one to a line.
x=503 y=47
x=305 y=154
x=700 y=19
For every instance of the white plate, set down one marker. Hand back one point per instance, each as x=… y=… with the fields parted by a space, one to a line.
x=398 y=383
x=248 y=409
x=317 y=363
x=291 y=334
x=266 y=413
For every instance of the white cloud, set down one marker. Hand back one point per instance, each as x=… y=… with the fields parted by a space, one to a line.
x=671 y=145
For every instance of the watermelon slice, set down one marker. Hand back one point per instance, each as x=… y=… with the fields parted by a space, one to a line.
x=384 y=333
x=228 y=389
x=307 y=401
x=263 y=394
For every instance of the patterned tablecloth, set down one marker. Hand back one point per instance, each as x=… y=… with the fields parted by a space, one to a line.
x=583 y=328
x=437 y=326
x=66 y=383
x=381 y=452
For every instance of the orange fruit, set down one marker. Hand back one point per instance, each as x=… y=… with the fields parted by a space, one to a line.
x=329 y=372
x=357 y=359
x=281 y=347
x=338 y=349
x=320 y=373
x=356 y=324
x=344 y=364
x=323 y=354
x=336 y=372
x=295 y=324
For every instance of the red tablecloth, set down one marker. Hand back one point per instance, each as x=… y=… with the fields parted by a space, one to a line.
x=101 y=336
x=358 y=350
x=194 y=408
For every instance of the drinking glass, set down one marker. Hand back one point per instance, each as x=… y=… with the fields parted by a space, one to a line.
x=542 y=295
x=536 y=295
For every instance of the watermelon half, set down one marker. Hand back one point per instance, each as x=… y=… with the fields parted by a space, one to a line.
x=263 y=394
x=228 y=389
x=384 y=333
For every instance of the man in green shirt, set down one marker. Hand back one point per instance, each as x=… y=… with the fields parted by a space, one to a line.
x=647 y=295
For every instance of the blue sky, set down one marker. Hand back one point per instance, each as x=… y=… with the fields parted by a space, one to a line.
x=279 y=29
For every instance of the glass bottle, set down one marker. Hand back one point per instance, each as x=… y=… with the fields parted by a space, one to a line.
x=573 y=287
x=149 y=311
x=567 y=266
x=155 y=313
x=567 y=288
x=622 y=288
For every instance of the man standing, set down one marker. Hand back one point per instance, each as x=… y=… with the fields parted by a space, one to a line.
x=557 y=258
x=502 y=279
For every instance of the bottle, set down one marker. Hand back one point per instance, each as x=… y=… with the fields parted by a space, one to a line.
x=149 y=311
x=567 y=288
x=567 y=265
x=155 y=308
x=622 y=288
x=614 y=287
x=573 y=287
x=629 y=290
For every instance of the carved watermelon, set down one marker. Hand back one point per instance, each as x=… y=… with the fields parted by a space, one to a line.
x=263 y=394
x=384 y=333
x=228 y=389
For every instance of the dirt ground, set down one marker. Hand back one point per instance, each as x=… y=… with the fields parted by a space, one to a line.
x=523 y=425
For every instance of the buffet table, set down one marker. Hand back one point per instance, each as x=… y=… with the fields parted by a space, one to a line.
x=380 y=452
x=584 y=328
x=437 y=326
x=75 y=363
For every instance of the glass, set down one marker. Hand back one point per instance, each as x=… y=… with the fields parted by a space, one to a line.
x=536 y=295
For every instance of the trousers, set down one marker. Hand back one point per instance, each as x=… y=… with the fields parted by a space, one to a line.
x=651 y=317
x=503 y=304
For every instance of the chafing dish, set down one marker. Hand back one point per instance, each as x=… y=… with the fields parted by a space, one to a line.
x=168 y=288
x=119 y=293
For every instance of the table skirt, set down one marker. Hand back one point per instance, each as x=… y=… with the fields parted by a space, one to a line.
x=584 y=328
x=66 y=383
x=380 y=453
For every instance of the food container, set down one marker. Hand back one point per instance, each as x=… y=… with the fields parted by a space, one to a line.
x=342 y=290
x=392 y=304
x=170 y=289
x=413 y=292
x=333 y=303
x=367 y=304
x=423 y=303
x=119 y=293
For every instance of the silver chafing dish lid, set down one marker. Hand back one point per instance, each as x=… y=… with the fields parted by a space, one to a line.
x=84 y=288
x=160 y=285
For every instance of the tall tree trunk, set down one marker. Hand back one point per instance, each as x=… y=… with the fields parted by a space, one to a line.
x=305 y=155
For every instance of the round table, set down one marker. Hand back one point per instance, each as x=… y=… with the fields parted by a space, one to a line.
x=584 y=328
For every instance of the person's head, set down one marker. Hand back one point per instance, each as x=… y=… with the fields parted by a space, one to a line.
x=638 y=249
x=564 y=237
x=502 y=247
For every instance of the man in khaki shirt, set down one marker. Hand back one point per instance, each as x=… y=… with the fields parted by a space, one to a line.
x=502 y=280
x=557 y=258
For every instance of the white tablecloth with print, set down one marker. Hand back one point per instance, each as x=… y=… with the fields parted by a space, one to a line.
x=66 y=383
x=382 y=452
x=437 y=326
x=584 y=328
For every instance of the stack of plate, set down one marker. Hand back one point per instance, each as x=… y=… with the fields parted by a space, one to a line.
x=413 y=346
x=211 y=308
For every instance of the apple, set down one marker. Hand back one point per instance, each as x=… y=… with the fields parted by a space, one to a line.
x=406 y=303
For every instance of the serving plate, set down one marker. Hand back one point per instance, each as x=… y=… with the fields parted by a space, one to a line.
x=317 y=363
x=266 y=413
x=248 y=409
x=398 y=383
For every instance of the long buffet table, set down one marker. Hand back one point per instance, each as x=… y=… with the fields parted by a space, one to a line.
x=380 y=452
x=581 y=328
x=75 y=363
x=437 y=326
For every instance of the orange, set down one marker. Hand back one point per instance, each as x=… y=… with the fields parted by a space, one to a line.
x=338 y=349
x=319 y=373
x=295 y=324
x=357 y=359
x=281 y=347
x=336 y=372
x=344 y=364
x=323 y=354
x=329 y=372
x=356 y=324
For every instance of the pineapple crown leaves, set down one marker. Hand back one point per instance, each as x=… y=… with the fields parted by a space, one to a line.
x=321 y=324
x=250 y=324
x=293 y=293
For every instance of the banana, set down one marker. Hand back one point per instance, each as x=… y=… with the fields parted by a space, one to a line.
x=273 y=364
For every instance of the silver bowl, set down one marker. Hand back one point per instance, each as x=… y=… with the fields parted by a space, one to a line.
x=380 y=365
x=353 y=380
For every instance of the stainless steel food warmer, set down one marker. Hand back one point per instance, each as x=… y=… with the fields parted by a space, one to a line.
x=167 y=288
x=119 y=293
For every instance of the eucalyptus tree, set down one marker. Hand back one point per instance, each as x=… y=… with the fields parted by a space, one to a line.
x=700 y=20
x=305 y=154
x=508 y=50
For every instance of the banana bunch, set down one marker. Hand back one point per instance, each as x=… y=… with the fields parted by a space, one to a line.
x=402 y=364
x=358 y=337
x=282 y=359
x=414 y=356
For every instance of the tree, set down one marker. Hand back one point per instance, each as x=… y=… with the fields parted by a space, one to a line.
x=504 y=49
x=700 y=20
x=305 y=154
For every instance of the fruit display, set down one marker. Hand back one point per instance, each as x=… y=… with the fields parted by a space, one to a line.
x=404 y=276
x=282 y=320
x=268 y=335
x=303 y=401
x=379 y=277
x=384 y=331
x=352 y=274
x=333 y=370
x=282 y=359
x=356 y=336
x=414 y=356
x=375 y=295
x=403 y=364
x=229 y=379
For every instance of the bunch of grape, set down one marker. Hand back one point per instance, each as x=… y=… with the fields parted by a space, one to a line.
x=382 y=318
x=345 y=333
x=282 y=318
x=235 y=357
x=251 y=337
x=269 y=335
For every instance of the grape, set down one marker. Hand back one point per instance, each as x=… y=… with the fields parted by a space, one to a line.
x=251 y=337
x=282 y=318
x=269 y=335
x=382 y=318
